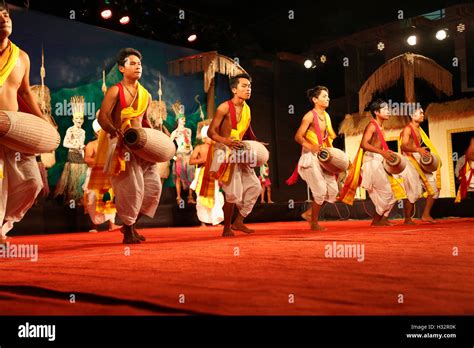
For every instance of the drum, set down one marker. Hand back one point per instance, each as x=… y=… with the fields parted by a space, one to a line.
x=429 y=164
x=256 y=153
x=396 y=165
x=150 y=144
x=27 y=133
x=333 y=160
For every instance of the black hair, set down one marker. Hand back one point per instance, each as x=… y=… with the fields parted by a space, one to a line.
x=376 y=105
x=234 y=80
x=125 y=53
x=315 y=92
x=4 y=6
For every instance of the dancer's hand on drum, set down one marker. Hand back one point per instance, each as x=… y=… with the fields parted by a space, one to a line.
x=423 y=152
x=388 y=155
x=116 y=133
x=315 y=148
x=234 y=144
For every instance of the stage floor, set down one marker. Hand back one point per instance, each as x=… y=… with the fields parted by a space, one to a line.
x=281 y=269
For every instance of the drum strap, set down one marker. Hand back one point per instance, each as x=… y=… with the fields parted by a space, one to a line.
x=415 y=138
x=380 y=135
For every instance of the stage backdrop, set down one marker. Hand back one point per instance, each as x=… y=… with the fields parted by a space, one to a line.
x=75 y=55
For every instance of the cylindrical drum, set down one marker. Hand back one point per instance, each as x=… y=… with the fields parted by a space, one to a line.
x=396 y=165
x=333 y=160
x=150 y=144
x=27 y=133
x=256 y=153
x=429 y=164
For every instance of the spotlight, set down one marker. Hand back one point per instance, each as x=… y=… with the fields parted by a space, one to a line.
x=106 y=13
x=124 y=20
x=441 y=34
x=461 y=27
x=323 y=59
x=192 y=38
x=308 y=64
x=411 y=40
x=380 y=46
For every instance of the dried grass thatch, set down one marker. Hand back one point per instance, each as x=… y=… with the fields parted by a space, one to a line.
x=452 y=110
x=354 y=124
x=410 y=66
x=42 y=98
x=210 y=63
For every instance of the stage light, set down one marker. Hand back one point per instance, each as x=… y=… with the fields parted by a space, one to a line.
x=106 y=13
x=192 y=38
x=411 y=40
x=380 y=46
x=124 y=20
x=461 y=27
x=308 y=64
x=441 y=34
x=323 y=59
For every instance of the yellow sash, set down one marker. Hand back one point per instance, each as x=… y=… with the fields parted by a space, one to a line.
x=312 y=137
x=8 y=60
x=224 y=174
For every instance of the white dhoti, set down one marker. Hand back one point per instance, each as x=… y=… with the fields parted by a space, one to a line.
x=19 y=187
x=323 y=184
x=97 y=218
x=207 y=215
x=377 y=184
x=137 y=190
x=413 y=184
x=243 y=188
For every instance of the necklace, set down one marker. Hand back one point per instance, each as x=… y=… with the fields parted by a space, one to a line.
x=133 y=95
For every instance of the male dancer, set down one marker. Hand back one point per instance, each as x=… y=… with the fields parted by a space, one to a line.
x=314 y=133
x=135 y=182
x=414 y=178
x=231 y=125
x=465 y=173
x=384 y=190
x=20 y=179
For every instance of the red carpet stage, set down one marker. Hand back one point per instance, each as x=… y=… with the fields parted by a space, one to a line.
x=282 y=269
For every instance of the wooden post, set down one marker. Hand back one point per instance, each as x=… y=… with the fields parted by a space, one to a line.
x=211 y=103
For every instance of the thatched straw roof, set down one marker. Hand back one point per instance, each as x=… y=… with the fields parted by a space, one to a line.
x=355 y=124
x=409 y=66
x=452 y=110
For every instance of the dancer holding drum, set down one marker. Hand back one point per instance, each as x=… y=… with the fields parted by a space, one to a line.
x=377 y=164
x=135 y=181
x=315 y=134
x=229 y=127
x=21 y=135
x=422 y=165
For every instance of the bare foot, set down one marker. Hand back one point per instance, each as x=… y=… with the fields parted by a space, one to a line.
x=191 y=200
x=409 y=222
x=241 y=227
x=377 y=223
x=262 y=202
x=114 y=227
x=227 y=232
x=428 y=219
x=129 y=236
x=138 y=235
x=270 y=202
x=307 y=215
x=385 y=222
x=317 y=227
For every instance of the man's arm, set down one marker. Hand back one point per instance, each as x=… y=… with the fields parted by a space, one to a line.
x=407 y=146
x=89 y=154
x=106 y=109
x=25 y=92
x=196 y=157
x=213 y=131
x=300 y=133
